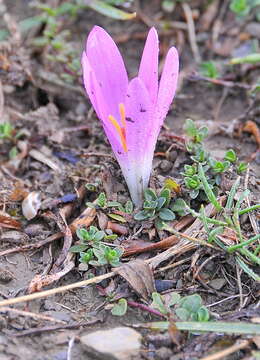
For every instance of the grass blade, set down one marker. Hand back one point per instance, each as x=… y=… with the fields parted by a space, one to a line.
x=108 y=10
x=211 y=196
x=209 y=326
x=247 y=269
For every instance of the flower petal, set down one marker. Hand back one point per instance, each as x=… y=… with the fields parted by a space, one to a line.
x=90 y=82
x=136 y=164
x=168 y=84
x=109 y=69
x=138 y=117
x=148 y=70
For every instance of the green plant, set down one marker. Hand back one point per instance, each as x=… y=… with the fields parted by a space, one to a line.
x=209 y=69
x=120 y=308
x=204 y=175
x=188 y=308
x=6 y=131
x=102 y=203
x=244 y=7
x=160 y=207
x=93 y=251
x=106 y=256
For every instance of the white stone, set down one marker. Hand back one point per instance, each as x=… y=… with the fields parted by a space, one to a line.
x=122 y=343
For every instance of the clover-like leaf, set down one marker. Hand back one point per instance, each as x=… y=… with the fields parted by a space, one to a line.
x=158 y=303
x=78 y=248
x=191 y=303
x=150 y=195
x=142 y=215
x=166 y=214
x=120 y=308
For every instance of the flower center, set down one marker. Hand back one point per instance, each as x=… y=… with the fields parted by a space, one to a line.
x=121 y=130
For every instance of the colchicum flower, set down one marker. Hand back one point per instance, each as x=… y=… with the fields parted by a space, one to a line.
x=132 y=113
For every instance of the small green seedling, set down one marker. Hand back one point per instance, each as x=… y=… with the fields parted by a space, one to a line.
x=188 y=308
x=6 y=131
x=156 y=207
x=104 y=204
x=209 y=69
x=92 y=250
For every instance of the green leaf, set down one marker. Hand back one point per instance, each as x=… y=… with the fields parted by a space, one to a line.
x=175 y=299
x=99 y=235
x=194 y=193
x=13 y=152
x=129 y=207
x=86 y=257
x=213 y=233
x=203 y=314
x=249 y=59
x=239 y=7
x=166 y=214
x=158 y=303
x=150 y=204
x=150 y=195
x=182 y=313
x=190 y=128
x=207 y=188
x=191 y=303
x=192 y=182
x=31 y=22
x=120 y=308
x=247 y=269
x=141 y=215
x=83 y=234
x=220 y=167
x=166 y=194
x=209 y=69
x=168 y=5
x=190 y=170
x=4 y=34
x=102 y=200
x=180 y=207
x=113 y=204
x=241 y=167
x=78 y=248
x=230 y=156
x=110 y=11
x=117 y=218
x=111 y=237
x=160 y=202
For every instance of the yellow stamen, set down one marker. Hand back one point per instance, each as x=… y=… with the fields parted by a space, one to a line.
x=122 y=114
x=120 y=130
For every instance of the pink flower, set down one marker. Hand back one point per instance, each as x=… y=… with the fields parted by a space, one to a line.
x=132 y=113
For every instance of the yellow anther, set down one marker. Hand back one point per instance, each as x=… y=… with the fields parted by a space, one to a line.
x=120 y=130
x=122 y=114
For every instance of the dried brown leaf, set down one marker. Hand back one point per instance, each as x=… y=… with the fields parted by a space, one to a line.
x=10 y=223
x=139 y=276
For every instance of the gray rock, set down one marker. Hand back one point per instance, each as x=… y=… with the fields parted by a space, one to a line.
x=122 y=343
x=217 y=283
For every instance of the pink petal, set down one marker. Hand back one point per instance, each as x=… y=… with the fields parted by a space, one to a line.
x=109 y=69
x=168 y=84
x=139 y=111
x=90 y=82
x=148 y=70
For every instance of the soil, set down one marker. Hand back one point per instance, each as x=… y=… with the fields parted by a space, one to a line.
x=58 y=121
